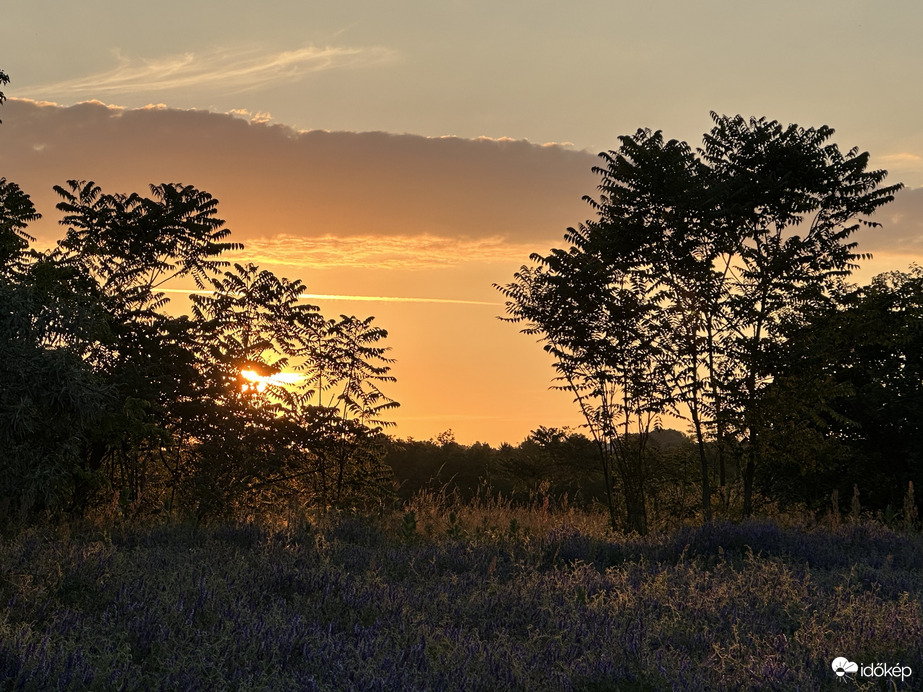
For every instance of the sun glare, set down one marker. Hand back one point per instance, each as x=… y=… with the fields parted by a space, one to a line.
x=257 y=382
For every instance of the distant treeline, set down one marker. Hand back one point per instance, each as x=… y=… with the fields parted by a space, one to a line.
x=550 y=462
x=558 y=466
x=872 y=472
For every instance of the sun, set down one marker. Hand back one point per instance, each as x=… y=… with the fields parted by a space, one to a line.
x=253 y=381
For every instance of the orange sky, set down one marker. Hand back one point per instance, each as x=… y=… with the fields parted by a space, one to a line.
x=367 y=214
x=374 y=215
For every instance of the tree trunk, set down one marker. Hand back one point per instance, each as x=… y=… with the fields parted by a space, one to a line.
x=749 y=473
x=607 y=479
x=631 y=472
x=706 y=486
x=85 y=481
x=636 y=506
x=703 y=465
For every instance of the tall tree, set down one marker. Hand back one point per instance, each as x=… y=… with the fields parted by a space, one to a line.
x=696 y=265
x=657 y=216
x=596 y=320
x=349 y=367
x=792 y=200
x=328 y=423
x=127 y=247
x=251 y=324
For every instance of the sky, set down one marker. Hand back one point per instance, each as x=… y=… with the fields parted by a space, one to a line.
x=413 y=153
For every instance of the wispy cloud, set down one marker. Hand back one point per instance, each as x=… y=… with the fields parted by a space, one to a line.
x=381 y=252
x=360 y=299
x=903 y=157
x=900 y=164
x=231 y=71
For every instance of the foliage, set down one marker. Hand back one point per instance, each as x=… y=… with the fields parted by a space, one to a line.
x=795 y=200
x=847 y=406
x=16 y=213
x=151 y=408
x=697 y=265
x=50 y=403
x=557 y=460
x=51 y=400
x=428 y=465
x=348 y=603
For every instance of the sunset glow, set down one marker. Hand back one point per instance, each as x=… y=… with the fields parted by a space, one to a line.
x=258 y=382
x=401 y=163
x=461 y=345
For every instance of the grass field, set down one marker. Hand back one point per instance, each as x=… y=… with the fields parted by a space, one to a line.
x=478 y=598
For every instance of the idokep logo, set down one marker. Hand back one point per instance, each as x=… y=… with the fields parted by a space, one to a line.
x=843 y=667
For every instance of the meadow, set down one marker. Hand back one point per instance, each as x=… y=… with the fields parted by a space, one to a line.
x=475 y=596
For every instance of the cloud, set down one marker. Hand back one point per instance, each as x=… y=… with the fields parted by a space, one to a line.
x=259 y=117
x=356 y=299
x=347 y=198
x=381 y=252
x=901 y=229
x=903 y=157
x=900 y=165
x=339 y=200
x=228 y=71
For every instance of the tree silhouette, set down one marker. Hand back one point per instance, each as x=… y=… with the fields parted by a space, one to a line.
x=345 y=365
x=152 y=407
x=332 y=418
x=696 y=266
x=51 y=400
x=252 y=321
x=792 y=201
x=126 y=247
x=16 y=213
x=596 y=324
x=847 y=405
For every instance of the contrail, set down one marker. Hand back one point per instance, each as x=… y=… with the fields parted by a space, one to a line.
x=333 y=296
x=394 y=299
